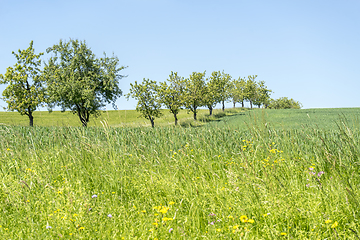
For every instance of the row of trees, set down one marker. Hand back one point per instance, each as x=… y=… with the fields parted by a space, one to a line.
x=198 y=91
x=73 y=78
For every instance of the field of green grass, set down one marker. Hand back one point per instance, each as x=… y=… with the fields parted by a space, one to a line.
x=243 y=174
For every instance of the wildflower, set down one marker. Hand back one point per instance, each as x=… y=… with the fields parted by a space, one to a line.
x=113 y=192
x=90 y=209
x=283 y=234
x=320 y=173
x=219 y=220
x=164 y=210
x=170 y=230
x=307 y=185
x=334 y=225
x=266 y=214
x=250 y=221
x=81 y=228
x=143 y=211
x=218 y=229
x=48 y=227
x=109 y=215
x=171 y=203
x=94 y=196
x=155 y=223
x=236 y=226
x=167 y=219
x=311 y=168
x=243 y=218
x=328 y=221
x=211 y=223
x=312 y=173
x=230 y=217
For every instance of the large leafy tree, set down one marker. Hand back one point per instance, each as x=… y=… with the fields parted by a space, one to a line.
x=147 y=95
x=25 y=91
x=79 y=81
x=194 y=92
x=171 y=94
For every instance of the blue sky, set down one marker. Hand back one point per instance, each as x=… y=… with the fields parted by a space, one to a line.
x=306 y=50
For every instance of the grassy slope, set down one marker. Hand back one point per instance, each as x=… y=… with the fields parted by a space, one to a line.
x=254 y=164
x=279 y=119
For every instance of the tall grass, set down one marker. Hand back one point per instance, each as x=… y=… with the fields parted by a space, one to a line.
x=221 y=180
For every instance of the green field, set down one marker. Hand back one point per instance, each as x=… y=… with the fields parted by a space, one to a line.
x=243 y=174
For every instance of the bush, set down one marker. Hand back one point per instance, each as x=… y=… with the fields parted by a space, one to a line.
x=284 y=103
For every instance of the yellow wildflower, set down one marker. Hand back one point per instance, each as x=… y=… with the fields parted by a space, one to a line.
x=250 y=221
x=243 y=218
x=334 y=225
x=328 y=221
x=171 y=203
x=283 y=234
x=164 y=210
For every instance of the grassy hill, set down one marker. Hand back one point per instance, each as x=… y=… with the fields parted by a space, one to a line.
x=279 y=119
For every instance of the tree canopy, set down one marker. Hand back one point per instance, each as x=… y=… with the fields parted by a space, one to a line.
x=25 y=92
x=79 y=81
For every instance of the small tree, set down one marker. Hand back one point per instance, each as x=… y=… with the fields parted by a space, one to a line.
x=250 y=89
x=237 y=91
x=212 y=91
x=171 y=95
x=79 y=81
x=194 y=92
x=224 y=87
x=262 y=96
x=25 y=91
x=147 y=95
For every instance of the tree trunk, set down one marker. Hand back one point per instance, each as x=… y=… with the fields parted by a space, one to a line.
x=152 y=122
x=83 y=115
x=210 y=111
x=259 y=106
x=31 y=118
x=242 y=104
x=176 y=120
x=251 y=104
x=223 y=105
x=234 y=104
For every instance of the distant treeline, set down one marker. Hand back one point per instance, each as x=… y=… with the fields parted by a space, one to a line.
x=200 y=91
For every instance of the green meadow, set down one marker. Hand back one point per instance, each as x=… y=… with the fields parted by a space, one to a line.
x=241 y=174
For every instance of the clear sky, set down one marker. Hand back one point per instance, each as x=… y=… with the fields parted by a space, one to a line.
x=308 y=50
